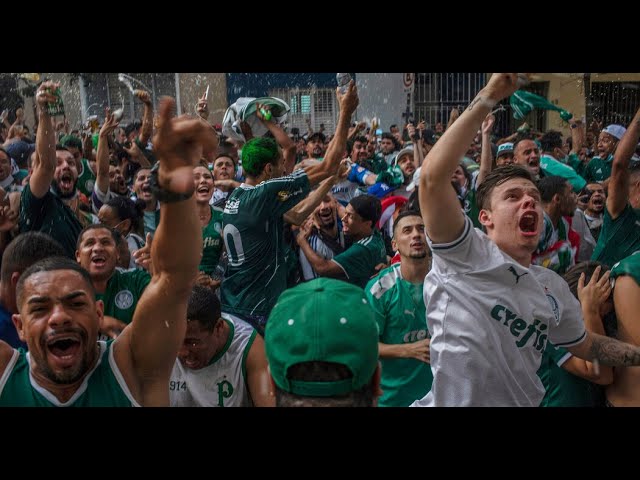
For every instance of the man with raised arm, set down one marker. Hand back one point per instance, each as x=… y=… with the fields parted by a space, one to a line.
x=59 y=317
x=620 y=233
x=253 y=220
x=489 y=310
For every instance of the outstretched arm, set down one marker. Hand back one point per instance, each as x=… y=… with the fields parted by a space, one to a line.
x=486 y=157
x=302 y=210
x=147 y=117
x=338 y=145
x=147 y=349
x=443 y=217
x=44 y=166
x=102 y=157
x=619 y=181
x=281 y=137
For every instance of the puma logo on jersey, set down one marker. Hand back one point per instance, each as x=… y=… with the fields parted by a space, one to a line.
x=410 y=312
x=599 y=170
x=515 y=273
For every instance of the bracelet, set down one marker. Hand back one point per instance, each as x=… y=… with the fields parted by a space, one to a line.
x=163 y=195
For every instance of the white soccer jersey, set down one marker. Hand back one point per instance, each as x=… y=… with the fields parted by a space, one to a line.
x=222 y=383
x=489 y=319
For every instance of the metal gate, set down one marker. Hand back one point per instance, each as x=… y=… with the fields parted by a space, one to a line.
x=614 y=102
x=436 y=94
x=317 y=105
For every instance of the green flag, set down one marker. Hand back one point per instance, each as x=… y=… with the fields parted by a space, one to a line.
x=524 y=102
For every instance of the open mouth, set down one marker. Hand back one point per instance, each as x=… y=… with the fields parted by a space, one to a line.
x=529 y=224
x=64 y=348
x=598 y=202
x=66 y=181
x=203 y=190
x=99 y=261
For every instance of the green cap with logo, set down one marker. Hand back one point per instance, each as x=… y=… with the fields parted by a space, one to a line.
x=323 y=320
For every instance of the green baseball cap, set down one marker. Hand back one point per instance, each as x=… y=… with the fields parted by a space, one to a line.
x=323 y=320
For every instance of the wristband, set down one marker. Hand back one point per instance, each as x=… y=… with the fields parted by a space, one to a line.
x=163 y=195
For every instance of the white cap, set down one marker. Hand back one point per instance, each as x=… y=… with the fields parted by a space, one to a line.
x=616 y=131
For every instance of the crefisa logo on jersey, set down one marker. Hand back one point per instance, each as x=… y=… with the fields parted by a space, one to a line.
x=554 y=306
x=124 y=299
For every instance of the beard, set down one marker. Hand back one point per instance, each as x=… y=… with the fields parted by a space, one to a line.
x=422 y=254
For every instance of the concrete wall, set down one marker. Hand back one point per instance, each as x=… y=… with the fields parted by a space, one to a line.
x=567 y=91
x=381 y=95
x=193 y=86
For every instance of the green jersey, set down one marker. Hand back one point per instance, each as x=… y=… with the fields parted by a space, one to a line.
x=578 y=165
x=359 y=261
x=550 y=166
x=86 y=179
x=151 y=221
x=51 y=216
x=628 y=266
x=253 y=235
x=469 y=203
x=376 y=164
x=598 y=170
x=618 y=238
x=211 y=242
x=402 y=319
x=563 y=389
x=103 y=386
x=124 y=289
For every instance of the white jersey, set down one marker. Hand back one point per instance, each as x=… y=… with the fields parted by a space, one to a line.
x=318 y=246
x=345 y=191
x=489 y=319
x=223 y=382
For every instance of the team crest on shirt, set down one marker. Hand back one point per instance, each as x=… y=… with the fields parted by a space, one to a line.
x=231 y=207
x=124 y=299
x=217 y=227
x=89 y=185
x=554 y=305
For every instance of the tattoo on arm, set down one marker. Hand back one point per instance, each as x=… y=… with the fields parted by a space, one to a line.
x=473 y=103
x=614 y=352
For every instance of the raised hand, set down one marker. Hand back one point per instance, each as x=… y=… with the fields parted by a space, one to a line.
x=142 y=256
x=487 y=124
x=202 y=107
x=45 y=95
x=596 y=292
x=179 y=144
x=263 y=112
x=143 y=95
x=349 y=101
x=109 y=125
x=500 y=86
